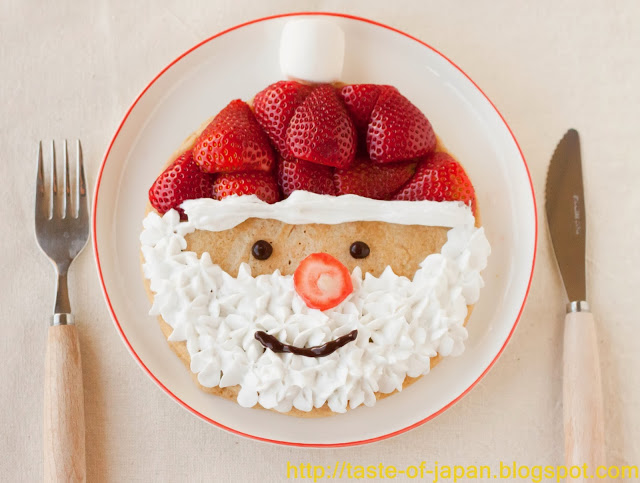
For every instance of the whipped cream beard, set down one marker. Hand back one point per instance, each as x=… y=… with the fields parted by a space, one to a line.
x=401 y=323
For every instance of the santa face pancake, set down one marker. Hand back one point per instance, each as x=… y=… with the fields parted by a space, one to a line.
x=316 y=249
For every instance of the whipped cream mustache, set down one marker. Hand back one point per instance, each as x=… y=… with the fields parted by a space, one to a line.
x=401 y=323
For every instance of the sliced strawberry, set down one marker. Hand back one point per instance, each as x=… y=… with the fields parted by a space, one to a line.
x=182 y=180
x=370 y=180
x=263 y=185
x=322 y=281
x=234 y=141
x=398 y=130
x=303 y=175
x=360 y=100
x=439 y=178
x=321 y=131
x=274 y=108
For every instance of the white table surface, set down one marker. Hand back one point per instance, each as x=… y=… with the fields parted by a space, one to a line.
x=71 y=69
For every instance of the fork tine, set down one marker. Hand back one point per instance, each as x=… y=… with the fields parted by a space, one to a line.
x=81 y=196
x=41 y=208
x=53 y=192
x=66 y=203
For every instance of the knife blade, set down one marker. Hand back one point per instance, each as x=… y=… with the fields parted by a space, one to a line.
x=582 y=387
x=566 y=215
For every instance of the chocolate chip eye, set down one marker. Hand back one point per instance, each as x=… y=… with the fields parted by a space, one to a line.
x=359 y=250
x=261 y=250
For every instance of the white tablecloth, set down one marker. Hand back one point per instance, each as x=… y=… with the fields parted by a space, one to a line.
x=71 y=69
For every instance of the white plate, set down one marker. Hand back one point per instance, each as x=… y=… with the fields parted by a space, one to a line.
x=192 y=88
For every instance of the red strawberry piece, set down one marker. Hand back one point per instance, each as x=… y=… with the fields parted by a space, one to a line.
x=439 y=178
x=258 y=183
x=398 y=130
x=303 y=175
x=322 y=281
x=360 y=100
x=182 y=180
x=274 y=108
x=370 y=180
x=234 y=141
x=321 y=131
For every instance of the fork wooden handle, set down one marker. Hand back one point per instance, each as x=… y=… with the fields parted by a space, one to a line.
x=582 y=394
x=64 y=445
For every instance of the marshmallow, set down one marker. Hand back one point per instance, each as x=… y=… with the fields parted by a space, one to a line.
x=312 y=50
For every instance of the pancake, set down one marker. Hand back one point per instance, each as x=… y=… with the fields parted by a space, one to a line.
x=402 y=247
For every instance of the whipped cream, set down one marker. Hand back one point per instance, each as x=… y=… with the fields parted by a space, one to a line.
x=401 y=323
x=305 y=207
x=312 y=50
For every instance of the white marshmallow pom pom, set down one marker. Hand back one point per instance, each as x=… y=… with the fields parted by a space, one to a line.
x=312 y=50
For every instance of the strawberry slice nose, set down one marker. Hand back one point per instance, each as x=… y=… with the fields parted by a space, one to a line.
x=322 y=281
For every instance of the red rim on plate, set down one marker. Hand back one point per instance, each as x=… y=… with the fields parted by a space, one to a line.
x=180 y=401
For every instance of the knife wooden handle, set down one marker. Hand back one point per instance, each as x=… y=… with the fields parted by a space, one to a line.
x=64 y=445
x=582 y=394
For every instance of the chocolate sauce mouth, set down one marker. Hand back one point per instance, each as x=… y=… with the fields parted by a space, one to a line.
x=270 y=342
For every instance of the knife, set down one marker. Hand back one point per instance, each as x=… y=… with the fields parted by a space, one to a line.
x=582 y=392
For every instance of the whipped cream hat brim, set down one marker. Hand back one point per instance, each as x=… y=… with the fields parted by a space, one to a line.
x=305 y=207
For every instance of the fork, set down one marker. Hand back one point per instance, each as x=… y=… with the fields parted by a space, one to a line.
x=62 y=231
